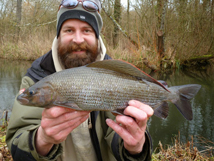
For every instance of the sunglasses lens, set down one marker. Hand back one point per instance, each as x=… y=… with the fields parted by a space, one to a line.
x=87 y=5
x=70 y=3
x=90 y=6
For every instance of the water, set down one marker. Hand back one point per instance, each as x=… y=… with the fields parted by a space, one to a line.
x=202 y=125
x=163 y=130
x=11 y=73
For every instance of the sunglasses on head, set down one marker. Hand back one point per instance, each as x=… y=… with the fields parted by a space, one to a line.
x=86 y=4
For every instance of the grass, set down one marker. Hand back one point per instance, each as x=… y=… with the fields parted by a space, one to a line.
x=33 y=46
x=182 y=152
x=4 y=152
x=29 y=48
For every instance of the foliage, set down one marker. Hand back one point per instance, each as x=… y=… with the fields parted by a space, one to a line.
x=188 y=29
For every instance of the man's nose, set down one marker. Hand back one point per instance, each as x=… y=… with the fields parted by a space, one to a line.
x=78 y=37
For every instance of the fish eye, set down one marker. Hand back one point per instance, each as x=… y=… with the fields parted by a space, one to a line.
x=31 y=92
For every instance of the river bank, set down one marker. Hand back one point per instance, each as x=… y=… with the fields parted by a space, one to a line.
x=33 y=47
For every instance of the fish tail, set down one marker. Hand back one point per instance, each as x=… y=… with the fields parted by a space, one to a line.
x=185 y=94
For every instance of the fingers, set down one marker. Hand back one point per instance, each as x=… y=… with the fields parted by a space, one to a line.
x=58 y=115
x=132 y=129
x=139 y=111
x=58 y=122
x=132 y=142
x=57 y=134
x=63 y=123
x=130 y=125
x=127 y=128
x=48 y=135
x=55 y=111
x=146 y=108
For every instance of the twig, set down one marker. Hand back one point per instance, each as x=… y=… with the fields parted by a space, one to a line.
x=120 y=28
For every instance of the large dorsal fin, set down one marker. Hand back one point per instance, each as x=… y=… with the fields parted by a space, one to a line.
x=125 y=68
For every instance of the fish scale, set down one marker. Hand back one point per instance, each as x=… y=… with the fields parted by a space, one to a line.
x=107 y=86
x=117 y=85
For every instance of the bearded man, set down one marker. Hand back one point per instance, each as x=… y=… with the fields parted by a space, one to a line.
x=63 y=134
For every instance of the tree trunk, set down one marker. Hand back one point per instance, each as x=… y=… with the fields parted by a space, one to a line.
x=162 y=4
x=117 y=14
x=128 y=3
x=211 y=48
x=18 y=18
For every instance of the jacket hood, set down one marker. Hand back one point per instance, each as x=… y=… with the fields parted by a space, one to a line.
x=36 y=72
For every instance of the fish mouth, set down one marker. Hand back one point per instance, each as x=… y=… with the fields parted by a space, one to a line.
x=22 y=100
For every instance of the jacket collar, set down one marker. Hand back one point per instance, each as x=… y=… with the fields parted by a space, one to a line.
x=57 y=62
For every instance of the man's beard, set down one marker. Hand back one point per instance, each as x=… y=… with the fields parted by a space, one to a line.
x=70 y=60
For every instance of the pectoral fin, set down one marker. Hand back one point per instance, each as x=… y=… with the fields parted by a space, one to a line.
x=118 y=112
x=68 y=104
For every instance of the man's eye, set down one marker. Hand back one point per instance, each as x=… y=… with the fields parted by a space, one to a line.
x=69 y=30
x=88 y=31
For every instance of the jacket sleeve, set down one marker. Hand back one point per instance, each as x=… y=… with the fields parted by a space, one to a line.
x=115 y=143
x=22 y=128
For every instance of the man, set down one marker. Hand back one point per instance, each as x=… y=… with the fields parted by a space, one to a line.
x=60 y=133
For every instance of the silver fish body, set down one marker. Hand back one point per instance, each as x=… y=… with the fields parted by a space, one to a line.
x=107 y=86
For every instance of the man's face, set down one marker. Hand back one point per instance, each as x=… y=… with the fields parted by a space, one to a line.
x=77 y=44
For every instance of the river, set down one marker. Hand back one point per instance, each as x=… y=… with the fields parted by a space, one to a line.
x=164 y=130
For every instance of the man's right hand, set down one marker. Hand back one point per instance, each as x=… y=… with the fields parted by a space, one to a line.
x=57 y=122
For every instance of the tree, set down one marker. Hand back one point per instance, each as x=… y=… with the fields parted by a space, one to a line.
x=18 y=18
x=211 y=48
x=128 y=7
x=117 y=15
x=160 y=33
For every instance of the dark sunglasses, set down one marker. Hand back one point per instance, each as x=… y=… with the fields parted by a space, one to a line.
x=86 y=4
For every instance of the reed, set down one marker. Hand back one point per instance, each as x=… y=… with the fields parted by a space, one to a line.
x=183 y=151
x=28 y=47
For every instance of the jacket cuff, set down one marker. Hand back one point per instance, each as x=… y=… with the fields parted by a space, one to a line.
x=54 y=153
x=145 y=154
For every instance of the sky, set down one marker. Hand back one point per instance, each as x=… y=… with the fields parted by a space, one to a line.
x=124 y=2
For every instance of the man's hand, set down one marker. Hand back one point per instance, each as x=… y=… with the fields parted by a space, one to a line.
x=56 y=124
x=132 y=131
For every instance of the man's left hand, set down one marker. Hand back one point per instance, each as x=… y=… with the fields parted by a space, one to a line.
x=132 y=129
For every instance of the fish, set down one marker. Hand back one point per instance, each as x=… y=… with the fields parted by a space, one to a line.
x=108 y=85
